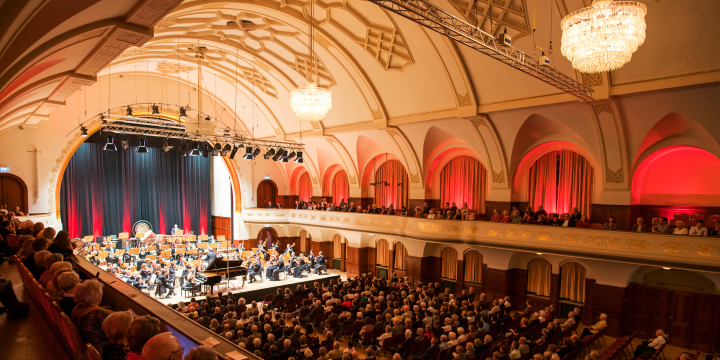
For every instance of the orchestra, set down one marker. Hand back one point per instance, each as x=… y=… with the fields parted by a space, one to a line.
x=159 y=264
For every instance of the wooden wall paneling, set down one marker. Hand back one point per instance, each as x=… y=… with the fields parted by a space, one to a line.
x=589 y=307
x=661 y=309
x=681 y=313
x=538 y=302
x=371 y=261
x=287 y=201
x=221 y=226
x=315 y=246
x=554 y=290
x=609 y=300
x=352 y=265
x=391 y=261
x=517 y=288
x=430 y=269
x=327 y=249
x=599 y=213
x=343 y=257
x=641 y=308
x=499 y=205
x=362 y=201
x=647 y=212
x=495 y=284
x=413 y=267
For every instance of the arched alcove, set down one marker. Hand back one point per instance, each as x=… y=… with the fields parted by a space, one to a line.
x=463 y=179
x=267 y=192
x=539 y=277
x=473 y=263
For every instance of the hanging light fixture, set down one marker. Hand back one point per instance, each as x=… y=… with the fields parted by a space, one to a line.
x=311 y=103
x=155 y=110
x=604 y=36
x=83 y=131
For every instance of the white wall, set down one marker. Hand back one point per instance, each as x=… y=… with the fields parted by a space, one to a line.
x=221 y=188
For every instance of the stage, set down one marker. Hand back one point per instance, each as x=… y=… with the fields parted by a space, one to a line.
x=256 y=291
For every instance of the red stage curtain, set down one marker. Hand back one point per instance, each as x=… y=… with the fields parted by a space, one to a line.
x=305 y=190
x=575 y=183
x=560 y=181
x=394 y=173
x=542 y=183
x=463 y=180
x=340 y=187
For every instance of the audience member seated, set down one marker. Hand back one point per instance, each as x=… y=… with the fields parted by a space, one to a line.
x=662 y=227
x=528 y=218
x=699 y=229
x=716 y=231
x=555 y=221
x=516 y=218
x=601 y=324
x=38 y=245
x=640 y=226
x=610 y=224
x=9 y=300
x=48 y=261
x=25 y=242
x=67 y=282
x=61 y=244
x=496 y=217
x=680 y=228
x=163 y=346
x=569 y=221
x=142 y=329
x=541 y=220
x=647 y=348
x=569 y=322
x=583 y=223
x=541 y=211
x=87 y=315
x=116 y=326
x=506 y=217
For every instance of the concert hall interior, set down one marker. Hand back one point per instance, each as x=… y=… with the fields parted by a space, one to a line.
x=342 y=180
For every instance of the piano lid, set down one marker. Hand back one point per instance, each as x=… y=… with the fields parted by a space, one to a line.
x=220 y=264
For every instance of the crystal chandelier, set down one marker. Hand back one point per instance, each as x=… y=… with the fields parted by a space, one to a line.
x=311 y=103
x=604 y=36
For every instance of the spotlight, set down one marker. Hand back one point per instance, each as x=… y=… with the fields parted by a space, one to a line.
x=248 y=153
x=129 y=111
x=234 y=151
x=269 y=153
x=216 y=149
x=227 y=133
x=207 y=149
x=102 y=118
x=225 y=150
x=168 y=145
x=183 y=115
x=183 y=149
x=83 y=131
x=290 y=156
x=155 y=110
x=124 y=143
x=141 y=146
x=110 y=143
x=207 y=118
x=196 y=150
x=299 y=158
x=256 y=152
x=278 y=154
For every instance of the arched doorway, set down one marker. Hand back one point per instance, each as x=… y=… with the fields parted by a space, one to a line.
x=13 y=193
x=267 y=235
x=266 y=192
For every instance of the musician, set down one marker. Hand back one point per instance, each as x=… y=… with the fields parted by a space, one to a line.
x=174 y=229
x=169 y=284
x=275 y=245
x=300 y=265
x=255 y=269
x=191 y=285
x=261 y=252
x=241 y=247
x=171 y=273
x=145 y=273
x=212 y=239
x=272 y=265
x=160 y=284
x=211 y=255
x=288 y=249
x=320 y=263
x=311 y=257
x=185 y=272
x=139 y=283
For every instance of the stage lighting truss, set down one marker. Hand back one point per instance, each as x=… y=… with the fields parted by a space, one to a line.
x=224 y=140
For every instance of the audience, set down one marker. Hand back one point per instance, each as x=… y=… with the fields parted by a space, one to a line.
x=610 y=224
x=680 y=228
x=163 y=346
x=142 y=329
x=639 y=226
x=115 y=327
x=87 y=315
x=699 y=229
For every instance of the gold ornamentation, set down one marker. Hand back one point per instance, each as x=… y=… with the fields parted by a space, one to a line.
x=478 y=121
x=323 y=218
x=249 y=214
x=498 y=177
x=267 y=214
x=453 y=230
x=707 y=250
x=346 y=220
x=312 y=217
x=167 y=67
x=315 y=125
x=322 y=40
x=386 y=224
x=414 y=178
x=674 y=248
x=571 y=239
x=471 y=231
x=376 y=114
x=292 y=216
x=313 y=179
x=401 y=225
x=429 y=227
x=352 y=179
x=601 y=108
x=492 y=232
x=279 y=215
x=388 y=48
x=592 y=80
x=464 y=100
x=359 y=222
x=213 y=6
x=262 y=65
x=636 y=245
x=602 y=241
x=542 y=237
x=614 y=176
x=516 y=234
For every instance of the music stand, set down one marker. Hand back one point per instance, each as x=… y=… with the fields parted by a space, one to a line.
x=166 y=254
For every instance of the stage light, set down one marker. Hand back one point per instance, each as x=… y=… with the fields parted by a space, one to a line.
x=234 y=151
x=183 y=115
x=299 y=159
x=269 y=153
x=226 y=150
x=248 y=153
x=141 y=146
x=124 y=143
x=129 y=111
x=206 y=150
x=168 y=145
x=183 y=149
x=207 y=118
x=284 y=158
x=256 y=152
x=196 y=150
x=227 y=133
x=278 y=154
x=102 y=118
x=216 y=149
x=83 y=132
x=290 y=156
x=155 y=110
x=110 y=143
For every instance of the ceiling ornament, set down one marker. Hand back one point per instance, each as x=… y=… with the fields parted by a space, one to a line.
x=510 y=15
x=604 y=36
x=311 y=103
x=168 y=67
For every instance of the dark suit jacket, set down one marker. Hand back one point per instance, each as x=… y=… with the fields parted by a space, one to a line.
x=642 y=229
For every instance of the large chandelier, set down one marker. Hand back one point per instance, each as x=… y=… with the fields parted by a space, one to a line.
x=604 y=36
x=311 y=103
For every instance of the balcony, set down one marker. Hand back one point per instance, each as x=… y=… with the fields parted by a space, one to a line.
x=675 y=251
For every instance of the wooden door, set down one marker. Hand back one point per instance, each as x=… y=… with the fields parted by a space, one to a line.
x=13 y=192
x=704 y=325
x=266 y=192
x=680 y=318
x=221 y=226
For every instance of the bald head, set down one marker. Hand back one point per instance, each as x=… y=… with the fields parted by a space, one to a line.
x=162 y=347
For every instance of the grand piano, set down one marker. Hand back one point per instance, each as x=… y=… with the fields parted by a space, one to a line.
x=218 y=268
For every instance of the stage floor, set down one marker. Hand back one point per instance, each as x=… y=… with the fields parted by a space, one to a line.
x=257 y=291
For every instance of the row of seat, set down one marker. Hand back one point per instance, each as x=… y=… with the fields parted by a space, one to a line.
x=61 y=325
